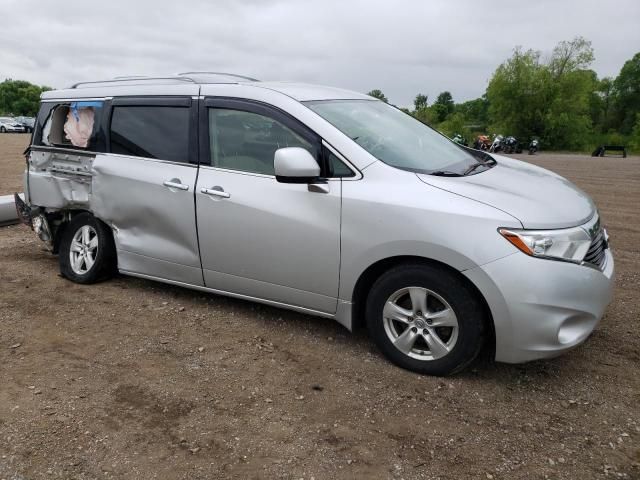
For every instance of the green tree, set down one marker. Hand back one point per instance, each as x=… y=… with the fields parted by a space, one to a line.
x=420 y=102
x=376 y=93
x=444 y=105
x=568 y=56
x=552 y=100
x=568 y=123
x=635 y=135
x=627 y=95
x=426 y=115
x=518 y=95
x=601 y=103
x=455 y=123
x=475 y=112
x=18 y=97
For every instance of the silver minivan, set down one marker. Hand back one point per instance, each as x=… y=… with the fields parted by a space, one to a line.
x=320 y=200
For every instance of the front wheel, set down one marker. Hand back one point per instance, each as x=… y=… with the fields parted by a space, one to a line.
x=87 y=251
x=425 y=319
x=3 y=130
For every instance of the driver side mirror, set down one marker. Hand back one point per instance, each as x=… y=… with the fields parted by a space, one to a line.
x=295 y=165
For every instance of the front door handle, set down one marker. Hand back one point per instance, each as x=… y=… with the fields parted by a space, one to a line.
x=174 y=184
x=216 y=191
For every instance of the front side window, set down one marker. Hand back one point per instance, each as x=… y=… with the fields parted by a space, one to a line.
x=396 y=138
x=151 y=132
x=247 y=141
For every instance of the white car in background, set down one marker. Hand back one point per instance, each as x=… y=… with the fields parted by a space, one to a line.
x=27 y=123
x=8 y=124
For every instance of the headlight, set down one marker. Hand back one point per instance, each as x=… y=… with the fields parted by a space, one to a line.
x=569 y=245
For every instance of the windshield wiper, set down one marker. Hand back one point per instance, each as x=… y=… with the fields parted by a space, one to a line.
x=488 y=164
x=445 y=173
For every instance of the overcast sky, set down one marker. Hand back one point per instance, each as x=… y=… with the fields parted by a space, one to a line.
x=402 y=47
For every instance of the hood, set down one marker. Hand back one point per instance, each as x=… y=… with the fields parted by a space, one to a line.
x=538 y=198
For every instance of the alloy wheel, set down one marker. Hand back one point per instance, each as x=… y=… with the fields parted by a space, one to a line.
x=84 y=249
x=420 y=323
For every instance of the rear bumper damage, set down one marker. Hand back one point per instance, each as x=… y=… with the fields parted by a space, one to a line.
x=23 y=211
x=35 y=219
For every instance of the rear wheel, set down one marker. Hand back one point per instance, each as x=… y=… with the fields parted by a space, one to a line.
x=87 y=251
x=426 y=319
x=3 y=130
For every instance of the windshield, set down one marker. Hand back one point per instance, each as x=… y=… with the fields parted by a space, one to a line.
x=396 y=138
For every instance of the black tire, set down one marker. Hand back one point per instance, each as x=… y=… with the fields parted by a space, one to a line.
x=105 y=263
x=463 y=300
x=3 y=130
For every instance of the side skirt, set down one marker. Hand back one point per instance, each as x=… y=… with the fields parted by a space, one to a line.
x=272 y=303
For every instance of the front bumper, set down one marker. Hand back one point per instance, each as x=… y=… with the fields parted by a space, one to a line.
x=542 y=308
x=11 y=129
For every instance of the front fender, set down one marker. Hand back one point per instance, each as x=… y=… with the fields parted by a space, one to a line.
x=353 y=268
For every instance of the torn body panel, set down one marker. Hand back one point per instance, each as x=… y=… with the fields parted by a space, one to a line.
x=153 y=224
x=57 y=182
x=60 y=179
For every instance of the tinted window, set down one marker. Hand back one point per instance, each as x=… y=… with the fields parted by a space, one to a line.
x=247 y=141
x=151 y=131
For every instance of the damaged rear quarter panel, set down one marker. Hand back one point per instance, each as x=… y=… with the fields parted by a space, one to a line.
x=60 y=179
x=154 y=226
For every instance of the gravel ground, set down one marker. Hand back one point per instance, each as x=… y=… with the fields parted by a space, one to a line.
x=135 y=379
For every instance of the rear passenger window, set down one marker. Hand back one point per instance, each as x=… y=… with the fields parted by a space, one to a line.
x=151 y=132
x=247 y=141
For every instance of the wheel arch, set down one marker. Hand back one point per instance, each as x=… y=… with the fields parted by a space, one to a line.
x=61 y=219
x=368 y=277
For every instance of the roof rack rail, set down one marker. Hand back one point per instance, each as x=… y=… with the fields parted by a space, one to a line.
x=130 y=77
x=180 y=77
x=134 y=78
x=242 y=77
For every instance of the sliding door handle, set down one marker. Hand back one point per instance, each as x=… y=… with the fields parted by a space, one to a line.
x=176 y=185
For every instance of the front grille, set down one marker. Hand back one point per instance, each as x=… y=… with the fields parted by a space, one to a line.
x=596 y=253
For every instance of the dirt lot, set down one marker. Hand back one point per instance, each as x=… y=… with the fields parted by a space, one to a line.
x=134 y=379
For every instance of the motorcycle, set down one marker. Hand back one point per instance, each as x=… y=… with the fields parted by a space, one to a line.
x=510 y=145
x=459 y=139
x=482 y=142
x=497 y=144
x=533 y=146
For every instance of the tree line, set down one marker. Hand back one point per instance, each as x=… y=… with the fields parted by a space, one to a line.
x=20 y=98
x=560 y=101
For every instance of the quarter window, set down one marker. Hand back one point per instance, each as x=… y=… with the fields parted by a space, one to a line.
x=247 y=141
x=338 y=168
x=151 y=132
x=71 y=125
